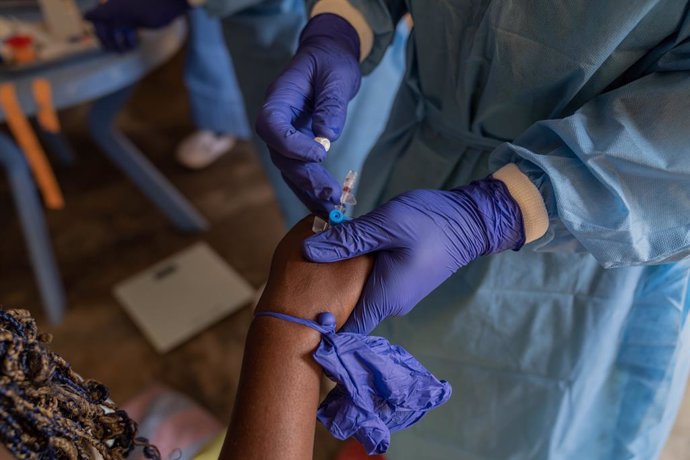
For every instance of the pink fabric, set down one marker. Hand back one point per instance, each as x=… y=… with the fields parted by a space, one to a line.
x=137 y=406
x=172 y=422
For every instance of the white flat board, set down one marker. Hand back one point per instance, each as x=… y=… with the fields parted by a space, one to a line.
x=63 y=19
x=182 y=295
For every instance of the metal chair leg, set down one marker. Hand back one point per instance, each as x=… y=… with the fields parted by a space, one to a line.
x=30 y=212
x=57 y=145
x=135 y=165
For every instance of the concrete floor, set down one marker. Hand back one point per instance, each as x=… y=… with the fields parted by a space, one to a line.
x=109 y=231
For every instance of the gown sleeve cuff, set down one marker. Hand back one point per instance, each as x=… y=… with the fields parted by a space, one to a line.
x=345 y=10
x=528 y=198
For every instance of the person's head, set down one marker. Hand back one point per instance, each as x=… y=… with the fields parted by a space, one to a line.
x=47 y=410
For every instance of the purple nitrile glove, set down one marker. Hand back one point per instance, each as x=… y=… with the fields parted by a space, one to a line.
x=380 y=387
x=420 y=238
x=116 y=21
x=309 y=99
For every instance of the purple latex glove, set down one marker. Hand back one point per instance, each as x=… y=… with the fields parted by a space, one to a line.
x=116 y=21
x=420 y=238
x=309 y=99
x=381 y=388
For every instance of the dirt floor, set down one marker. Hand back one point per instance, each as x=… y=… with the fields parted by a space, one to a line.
x=108 y=231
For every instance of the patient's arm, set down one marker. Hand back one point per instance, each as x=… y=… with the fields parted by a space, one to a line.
x=275 y=409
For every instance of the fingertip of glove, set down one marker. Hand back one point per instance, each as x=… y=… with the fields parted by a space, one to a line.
x=312 y=253
x=318 y=249
x=323 y=130
x=355 y=325
x=316 y=154
x=305 y=148
x=349 y=327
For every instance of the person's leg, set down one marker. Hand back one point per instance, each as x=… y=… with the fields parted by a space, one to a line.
x=215 y=100
x=262 y=39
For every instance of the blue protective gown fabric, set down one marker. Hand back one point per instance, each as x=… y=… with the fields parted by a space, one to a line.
x=380 y=388
x=555 y=356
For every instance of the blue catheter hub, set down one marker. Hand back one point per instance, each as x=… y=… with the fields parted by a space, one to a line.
x=336 y=217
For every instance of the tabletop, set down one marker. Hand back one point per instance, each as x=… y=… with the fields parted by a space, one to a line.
x=95 y=74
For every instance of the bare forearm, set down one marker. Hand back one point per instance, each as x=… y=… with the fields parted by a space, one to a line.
x=274 y=415
x=275 y=408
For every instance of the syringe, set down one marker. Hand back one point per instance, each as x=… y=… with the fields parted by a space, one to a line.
x=347 y=197
x=339 y=213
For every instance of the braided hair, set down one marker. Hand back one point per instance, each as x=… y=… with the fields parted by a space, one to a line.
x=47 y=411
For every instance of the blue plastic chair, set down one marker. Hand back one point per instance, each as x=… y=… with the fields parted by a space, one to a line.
x=107 y=80
x=30 y=211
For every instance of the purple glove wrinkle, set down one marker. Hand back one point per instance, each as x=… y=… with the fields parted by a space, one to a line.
x=420 y=238
x=380 y=389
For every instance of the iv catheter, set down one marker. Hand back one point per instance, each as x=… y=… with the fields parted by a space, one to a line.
x=347 y=198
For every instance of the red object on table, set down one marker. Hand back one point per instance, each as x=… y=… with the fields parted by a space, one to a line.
x=19 y=41
x=22 y=47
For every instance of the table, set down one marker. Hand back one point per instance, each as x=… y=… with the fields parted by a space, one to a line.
x=106 y=79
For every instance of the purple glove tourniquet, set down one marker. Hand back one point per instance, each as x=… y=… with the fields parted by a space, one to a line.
x=380 y=387
x=420 y=238
x=116 y=21
x=310 y=99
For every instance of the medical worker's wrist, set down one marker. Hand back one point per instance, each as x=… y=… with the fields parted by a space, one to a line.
x=534 y=215
x=486 y=207
x=349 y=13
x=334 y=31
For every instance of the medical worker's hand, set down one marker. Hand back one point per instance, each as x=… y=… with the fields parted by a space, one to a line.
x=419 y=239
x=309 y=99
x=116 y=21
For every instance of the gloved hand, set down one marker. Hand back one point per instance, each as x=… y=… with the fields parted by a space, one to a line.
x=309 y=99
x=421 y=237
x=116 y=21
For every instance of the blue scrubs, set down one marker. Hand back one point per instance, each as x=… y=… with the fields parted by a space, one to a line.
x=214 y=96
x=578 y=345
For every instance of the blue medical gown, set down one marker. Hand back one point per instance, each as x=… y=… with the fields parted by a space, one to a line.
x=578 y=345
x=262 y=36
